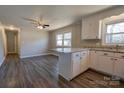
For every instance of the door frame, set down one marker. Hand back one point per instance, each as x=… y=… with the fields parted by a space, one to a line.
x=5 y=38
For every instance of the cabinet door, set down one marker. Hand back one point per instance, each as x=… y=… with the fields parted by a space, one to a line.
x=119 y=67
x=94 y=63
x=106 y=64
x=84 y=61
x=76 y=63
x=84 y=29
x=90 y=28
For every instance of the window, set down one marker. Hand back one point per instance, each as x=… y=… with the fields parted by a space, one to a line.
x=115 y=33
x=67 y=39
x=63 y=39
x=59 y=39
x=113 y=30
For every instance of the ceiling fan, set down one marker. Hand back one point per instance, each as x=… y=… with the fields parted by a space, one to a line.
x=37 y=22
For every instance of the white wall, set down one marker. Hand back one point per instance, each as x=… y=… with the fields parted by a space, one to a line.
x=33 y=42
x=1 y=47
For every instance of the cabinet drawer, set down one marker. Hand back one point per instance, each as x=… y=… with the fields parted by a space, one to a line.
x=75 y=55
x=106 y=64
x=119 y=55
x=84 y=53
x=102 y=53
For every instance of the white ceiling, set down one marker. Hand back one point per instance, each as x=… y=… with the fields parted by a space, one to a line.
x=57 y=16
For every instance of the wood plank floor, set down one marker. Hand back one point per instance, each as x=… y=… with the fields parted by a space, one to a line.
x=42 y=72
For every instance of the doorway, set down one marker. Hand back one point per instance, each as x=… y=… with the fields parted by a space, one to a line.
x=12 y=46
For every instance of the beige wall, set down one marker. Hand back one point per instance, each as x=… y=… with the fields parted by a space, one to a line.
x=1 y=47
x=76 y=29
x=76 y=34
x=34 y=42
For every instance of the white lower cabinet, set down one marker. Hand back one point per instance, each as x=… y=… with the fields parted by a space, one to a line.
x=94 y=63
x=106 y=64
x=76 y=63
x=84 y=62
x=119 y=67
x=73 y=63
x=80 y=62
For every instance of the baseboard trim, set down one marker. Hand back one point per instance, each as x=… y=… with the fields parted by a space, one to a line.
x=35 y=55
x=2 y=61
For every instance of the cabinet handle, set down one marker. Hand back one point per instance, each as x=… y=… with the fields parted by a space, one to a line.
x=122 y=56
x=112 y=59
x=105 y=54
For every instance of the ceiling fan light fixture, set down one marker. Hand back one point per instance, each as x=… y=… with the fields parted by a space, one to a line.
x=40 y=27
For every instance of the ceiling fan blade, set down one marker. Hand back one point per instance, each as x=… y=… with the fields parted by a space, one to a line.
x=46 y=25
x=34 y=23
x=37 y=22
x=30 y=19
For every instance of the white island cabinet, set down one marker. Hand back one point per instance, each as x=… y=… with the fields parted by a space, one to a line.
x=72 y=61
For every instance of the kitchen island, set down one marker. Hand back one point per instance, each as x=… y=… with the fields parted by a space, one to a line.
x=72 y=61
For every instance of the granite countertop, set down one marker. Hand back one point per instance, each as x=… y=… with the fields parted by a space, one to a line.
x=69 y=50
x=108 y=50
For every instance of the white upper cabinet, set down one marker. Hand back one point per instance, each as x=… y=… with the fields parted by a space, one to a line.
x=90 y=28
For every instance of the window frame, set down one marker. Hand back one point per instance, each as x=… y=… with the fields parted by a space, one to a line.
x=59 y=39
x=110 y=21
x=64 y=39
